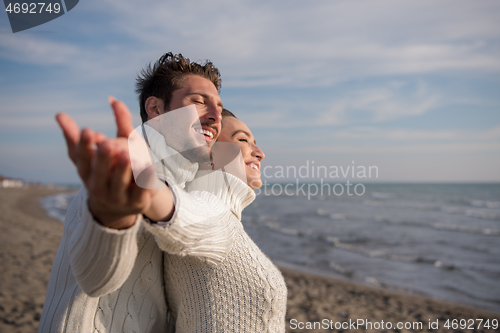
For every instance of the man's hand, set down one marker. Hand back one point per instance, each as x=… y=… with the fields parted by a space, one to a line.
x=114 y=198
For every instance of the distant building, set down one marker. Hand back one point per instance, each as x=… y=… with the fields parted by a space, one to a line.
x=11 y=182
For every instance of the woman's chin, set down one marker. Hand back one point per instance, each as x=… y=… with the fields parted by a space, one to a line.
x=254 y=182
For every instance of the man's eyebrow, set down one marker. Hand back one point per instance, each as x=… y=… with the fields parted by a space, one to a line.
x=205 y=96
x=199 y=94
x=247 y=134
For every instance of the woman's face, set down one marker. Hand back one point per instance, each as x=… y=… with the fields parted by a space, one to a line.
x=235 y=131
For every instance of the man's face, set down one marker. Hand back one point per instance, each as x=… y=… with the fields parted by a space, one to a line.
x=202 y=93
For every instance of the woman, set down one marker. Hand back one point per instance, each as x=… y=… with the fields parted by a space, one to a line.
x=216 y=278
x=235 y=131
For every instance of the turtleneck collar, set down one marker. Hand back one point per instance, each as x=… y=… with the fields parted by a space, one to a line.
x=235 y=193
x=170 y=165
x=176 y=169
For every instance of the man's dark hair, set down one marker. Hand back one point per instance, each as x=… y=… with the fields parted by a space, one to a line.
x=226 y=113
x=167 y=75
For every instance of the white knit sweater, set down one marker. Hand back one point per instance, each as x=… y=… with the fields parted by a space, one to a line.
x=107 y=280
x=104 y=280
x=217 y=279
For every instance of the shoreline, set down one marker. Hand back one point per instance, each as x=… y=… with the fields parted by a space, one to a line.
x=29 y=240
x=316 y=297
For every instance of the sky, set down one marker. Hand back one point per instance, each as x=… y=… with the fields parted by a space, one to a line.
x=411 y=87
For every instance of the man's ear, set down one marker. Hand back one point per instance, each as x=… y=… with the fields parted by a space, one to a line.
x=154 y=107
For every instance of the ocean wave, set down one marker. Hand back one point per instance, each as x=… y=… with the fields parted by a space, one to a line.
x=382 y=195
x=333 y=216
x=286 y=231
x=401 y=204
x=439 y=226
x=440 y=264
x=485 y=203
x=57 y=205
x=385 y=220
x=373 y=281
x=488 y=215
x=389 y=256
x=342 y=270
x=486 y=231
x=484 y=213
x=369 y=253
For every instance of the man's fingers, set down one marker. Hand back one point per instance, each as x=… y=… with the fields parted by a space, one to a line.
x=84 y=152
x=123 y=118
x=98 y=138
x=121 y=178
x=100 y=165
x=71 y=134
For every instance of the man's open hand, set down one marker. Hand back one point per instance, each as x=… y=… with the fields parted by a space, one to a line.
x=103 y=164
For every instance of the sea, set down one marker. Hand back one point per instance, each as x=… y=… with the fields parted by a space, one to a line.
x=435 y=240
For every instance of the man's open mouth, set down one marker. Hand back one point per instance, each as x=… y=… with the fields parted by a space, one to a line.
x=205 y=132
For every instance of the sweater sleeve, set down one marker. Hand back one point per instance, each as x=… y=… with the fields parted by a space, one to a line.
x=101 y=258
x=202 y=224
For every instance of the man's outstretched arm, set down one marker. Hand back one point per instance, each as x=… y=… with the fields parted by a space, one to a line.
x=102 y=236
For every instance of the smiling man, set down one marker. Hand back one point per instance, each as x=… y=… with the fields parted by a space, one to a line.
x=107 y=275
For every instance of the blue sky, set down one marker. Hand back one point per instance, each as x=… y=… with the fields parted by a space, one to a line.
x=412 y=87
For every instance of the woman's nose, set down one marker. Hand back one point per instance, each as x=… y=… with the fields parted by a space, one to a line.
x=257 y=152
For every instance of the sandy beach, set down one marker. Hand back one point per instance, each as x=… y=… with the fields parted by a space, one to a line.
x=29 y=240
x=28 y=244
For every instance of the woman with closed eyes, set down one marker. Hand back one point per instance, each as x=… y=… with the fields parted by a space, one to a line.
x=223 y=282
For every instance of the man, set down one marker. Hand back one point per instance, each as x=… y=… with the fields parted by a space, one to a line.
x=107 y=274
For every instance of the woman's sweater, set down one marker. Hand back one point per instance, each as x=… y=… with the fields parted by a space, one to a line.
x=216 y=278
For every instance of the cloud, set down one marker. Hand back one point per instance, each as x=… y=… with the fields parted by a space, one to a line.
x=396 y=135
x=34 y=50
x=33 y=115
x=376 y=140
x=385 y=105
x=37 y=110
x=491 y=147
x=321 y=44
x=37 y=162
x=399 y=135
x=372 y=103
x=265 y=44
x=370 y=136
x=71 y=59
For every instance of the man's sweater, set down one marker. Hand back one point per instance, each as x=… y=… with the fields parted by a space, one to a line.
x=107 y=280
x=104 y=280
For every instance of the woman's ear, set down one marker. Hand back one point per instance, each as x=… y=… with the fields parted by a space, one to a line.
x=154 y=107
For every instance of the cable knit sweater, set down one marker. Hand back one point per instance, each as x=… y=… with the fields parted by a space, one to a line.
x=107 y=280
x=104 y=280
x=217 y=279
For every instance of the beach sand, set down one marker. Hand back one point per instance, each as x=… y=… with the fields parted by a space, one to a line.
x=28 y=244
x=314 y=298
x=29 y=240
